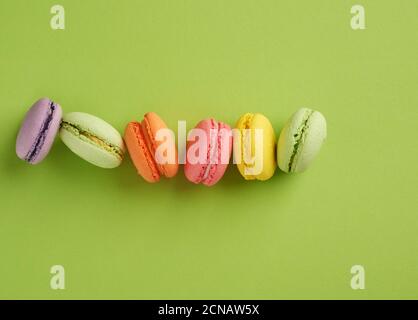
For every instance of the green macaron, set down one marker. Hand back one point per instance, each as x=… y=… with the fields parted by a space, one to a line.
x=300 y=140
x=92 y=139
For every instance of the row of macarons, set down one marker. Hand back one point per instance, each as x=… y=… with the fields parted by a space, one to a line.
x=99 y=143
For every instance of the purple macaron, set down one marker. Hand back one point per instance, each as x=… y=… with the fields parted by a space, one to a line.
x=38 y=131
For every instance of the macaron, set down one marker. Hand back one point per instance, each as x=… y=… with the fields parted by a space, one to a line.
x=213 y=148
x=38 y=131
x=255 y=147
x=300 y=140
x=92 y=139
x=152 y=148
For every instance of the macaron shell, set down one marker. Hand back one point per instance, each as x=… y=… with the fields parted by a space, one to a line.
x=31 y=127
x=140 y=155
x=252 y=122
x=89 y=152
x=151 y=124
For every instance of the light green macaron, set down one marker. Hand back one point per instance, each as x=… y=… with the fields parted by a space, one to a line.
x=92 y=139
x=300 y=140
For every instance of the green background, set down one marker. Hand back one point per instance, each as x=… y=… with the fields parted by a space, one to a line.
x=294 y=236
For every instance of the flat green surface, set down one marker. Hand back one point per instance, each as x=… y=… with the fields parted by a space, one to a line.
x=294 y=236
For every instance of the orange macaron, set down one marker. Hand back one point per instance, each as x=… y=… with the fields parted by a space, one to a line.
x=148 y=143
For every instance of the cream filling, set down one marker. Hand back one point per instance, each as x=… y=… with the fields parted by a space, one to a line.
x=91 y=138
x=300 y=137
x=213 y=146
x=246 y=130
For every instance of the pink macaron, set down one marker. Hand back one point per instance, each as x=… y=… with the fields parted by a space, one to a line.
x=208 y=152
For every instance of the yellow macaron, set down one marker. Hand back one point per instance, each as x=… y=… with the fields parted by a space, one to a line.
x=255 y=147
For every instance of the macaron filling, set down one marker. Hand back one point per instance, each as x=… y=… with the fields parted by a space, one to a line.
x=247 y=126
x=212 y=152
x=138 y=129
x=92 y=139
x=40 y=139
x=148 y=155
x=299 y=138
x=152 y=145
x=213 y=168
